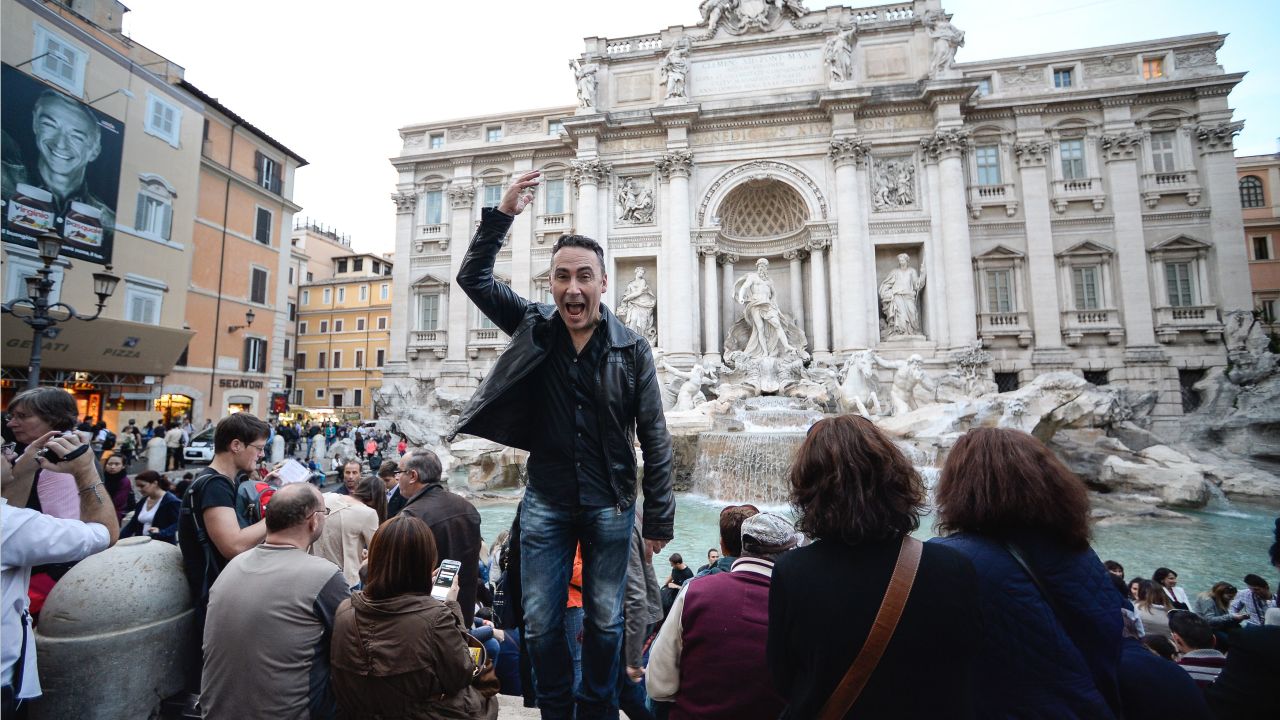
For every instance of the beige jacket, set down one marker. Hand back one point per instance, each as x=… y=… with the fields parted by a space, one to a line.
x=347 y=532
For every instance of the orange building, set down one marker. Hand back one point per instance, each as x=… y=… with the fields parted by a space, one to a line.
x=1259 y=177
x=344 y=337
x=237 y=302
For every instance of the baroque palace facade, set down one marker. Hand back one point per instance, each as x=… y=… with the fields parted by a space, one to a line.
x=1074 y=210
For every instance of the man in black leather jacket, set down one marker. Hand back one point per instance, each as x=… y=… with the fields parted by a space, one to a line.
x=576 y=388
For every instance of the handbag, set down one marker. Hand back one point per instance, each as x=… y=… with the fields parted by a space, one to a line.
x=891 y=607
x=485 y=678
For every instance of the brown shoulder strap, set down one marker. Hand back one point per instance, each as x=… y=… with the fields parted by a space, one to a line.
x=895 y=599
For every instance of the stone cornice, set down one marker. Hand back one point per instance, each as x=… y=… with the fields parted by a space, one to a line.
x=1120 y=146
x=677 y=163
x=405 y=202
x=1037 y=109
x=848 y=150
x=1218 y=138
x=676 y=116
x=893 y=109
x=589 y=172
x=760 y=121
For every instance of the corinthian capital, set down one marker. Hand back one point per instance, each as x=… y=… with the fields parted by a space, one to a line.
x=1120 y=146
x=405 y=202
x=1031 y=154
x=589 y=172
x=677 y=163
x=1218 y=138
x=461 y=196
x=949 y=143
x=848 y=150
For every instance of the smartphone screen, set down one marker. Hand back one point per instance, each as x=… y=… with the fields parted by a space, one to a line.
x=448 y=570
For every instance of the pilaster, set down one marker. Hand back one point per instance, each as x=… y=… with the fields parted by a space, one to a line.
x=676 y=166
x=1119 y=152
x=1046 y=308
x=397 y=365
x=1225 y=214
x=852 y=250
x=947 y=148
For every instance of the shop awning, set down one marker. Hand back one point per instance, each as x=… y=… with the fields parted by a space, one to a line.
x=102 y=345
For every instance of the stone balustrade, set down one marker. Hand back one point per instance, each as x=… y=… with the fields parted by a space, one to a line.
x=1182 y=182
x=1078 y=190
x=1101 y=321
x=1002 y=195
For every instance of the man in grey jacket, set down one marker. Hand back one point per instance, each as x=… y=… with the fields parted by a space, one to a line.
x=642 y=609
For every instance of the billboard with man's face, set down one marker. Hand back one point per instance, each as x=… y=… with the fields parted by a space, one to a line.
x=61 y=168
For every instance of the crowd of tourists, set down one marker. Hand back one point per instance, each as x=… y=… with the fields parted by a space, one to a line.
x=381 y=598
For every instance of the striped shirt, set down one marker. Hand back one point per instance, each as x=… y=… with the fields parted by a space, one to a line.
x=1204 y=666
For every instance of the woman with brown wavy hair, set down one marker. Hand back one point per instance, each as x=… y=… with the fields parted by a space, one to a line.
x=1052 y=642
x=858 y=497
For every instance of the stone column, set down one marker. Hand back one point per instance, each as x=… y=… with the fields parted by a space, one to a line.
x=1046 y=310
x=728 y=306
x=1225 y=217
x=935 y=299
x=676 y=166
x=522 y=233
x=853 y=246
x=401 y=300
x=588 y=175
x=461 y=196
x=948 y=147
x=710 y=304
x=797 y=286
x=818 y=299
x=1120 y=152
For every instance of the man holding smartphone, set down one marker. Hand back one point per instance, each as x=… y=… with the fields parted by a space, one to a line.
x=576 y=388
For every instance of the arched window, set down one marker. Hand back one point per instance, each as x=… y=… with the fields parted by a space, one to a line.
x=1251 y=192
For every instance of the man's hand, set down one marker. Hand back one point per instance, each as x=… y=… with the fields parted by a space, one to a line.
x=63 y=445
x=520 y=194
x=653 y=547
x=635 y=673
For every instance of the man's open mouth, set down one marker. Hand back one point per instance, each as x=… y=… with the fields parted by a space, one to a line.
x=576 y=310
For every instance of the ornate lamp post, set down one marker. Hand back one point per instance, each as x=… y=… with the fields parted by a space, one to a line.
x=36 y=310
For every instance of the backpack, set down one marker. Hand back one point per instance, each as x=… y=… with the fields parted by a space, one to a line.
x=258 y=495
x=109 y=441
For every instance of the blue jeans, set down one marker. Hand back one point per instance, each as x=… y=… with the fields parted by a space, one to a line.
x=549 y=536
x=573 y=635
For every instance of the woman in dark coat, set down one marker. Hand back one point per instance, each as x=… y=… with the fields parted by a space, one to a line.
x=1052 y=643
x=858 y=496
x=156 y=514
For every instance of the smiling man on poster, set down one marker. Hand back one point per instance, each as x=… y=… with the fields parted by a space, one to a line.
x=576 y=388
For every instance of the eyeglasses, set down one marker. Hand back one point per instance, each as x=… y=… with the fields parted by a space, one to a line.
x=260 y=448
x=398 y=473
x=321 y=511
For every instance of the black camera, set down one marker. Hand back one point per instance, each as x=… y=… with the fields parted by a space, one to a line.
x=51 y=454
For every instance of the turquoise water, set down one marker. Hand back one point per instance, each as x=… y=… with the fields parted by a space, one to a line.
x=1220 y=544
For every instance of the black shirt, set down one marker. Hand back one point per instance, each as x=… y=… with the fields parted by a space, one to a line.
x=215 y=490
x=568 y=465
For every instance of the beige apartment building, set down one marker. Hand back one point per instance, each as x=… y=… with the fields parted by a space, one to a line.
x=237 y=299
x=314 y=248
x=1259 y=184
x=81 y=101
x=344 y=336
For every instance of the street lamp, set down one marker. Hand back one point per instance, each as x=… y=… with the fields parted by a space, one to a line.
x=248 y=321
x=37 y=308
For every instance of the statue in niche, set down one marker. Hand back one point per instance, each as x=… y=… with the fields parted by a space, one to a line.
x=760 y=309
x=636 y=203
x=894 y=183
x=839 y=54
x=675 y=68
x=907 y=376
x=860 y=386
x=585 y=77
x=690 y=394
x=636 y=308
x=900 y=299
x=947 y=39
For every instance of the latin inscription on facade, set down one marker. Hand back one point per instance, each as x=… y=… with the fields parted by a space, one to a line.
x=756 y=134
x=886 y=61
x=634 y=87
x=753 y=73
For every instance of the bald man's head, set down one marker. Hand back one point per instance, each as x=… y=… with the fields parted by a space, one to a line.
x=292 y=505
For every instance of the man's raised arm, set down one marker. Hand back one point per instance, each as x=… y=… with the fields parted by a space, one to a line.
x=498 y=302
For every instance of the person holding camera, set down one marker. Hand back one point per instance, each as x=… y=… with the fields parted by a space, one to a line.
x=575 y=388
x=29 y=538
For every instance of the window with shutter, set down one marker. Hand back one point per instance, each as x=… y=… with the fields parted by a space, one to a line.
x=359 y=358
x=337 y=359
x=163 y=119
x=357 y=397
x=58 y=61
x=300 y=361
x=268 y=172
x=258 y=286
x=143 y=303
x=381 y=356
x=262 y=226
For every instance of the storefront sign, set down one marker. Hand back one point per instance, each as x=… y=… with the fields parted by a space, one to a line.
x=103 y=345
x=245 y=383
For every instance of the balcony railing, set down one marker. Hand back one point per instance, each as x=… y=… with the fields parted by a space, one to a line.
x=981 y=196
x=437 y=231
x=1183 y=182
x=487 y=337
x=1170 y=321
x=1078 y=190
x=1005 y=324
x=428 y=339
x=1101 y=321
x=557 y=221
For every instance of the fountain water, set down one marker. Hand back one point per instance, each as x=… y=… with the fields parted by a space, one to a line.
x=751 y=464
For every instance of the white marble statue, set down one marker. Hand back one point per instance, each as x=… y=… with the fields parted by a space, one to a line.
x=907 y=375
x=894 y=183
x=636 y=202
x=900 y=299
x=755 y=292
x=690 y=394
x=585 y=77
x=839 y=54
x=946 y=38
x=636 y=308
x=712 y=10
x=860 y=386
x=675 y=68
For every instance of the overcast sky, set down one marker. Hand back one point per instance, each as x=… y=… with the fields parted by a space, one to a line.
x=333 y=80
